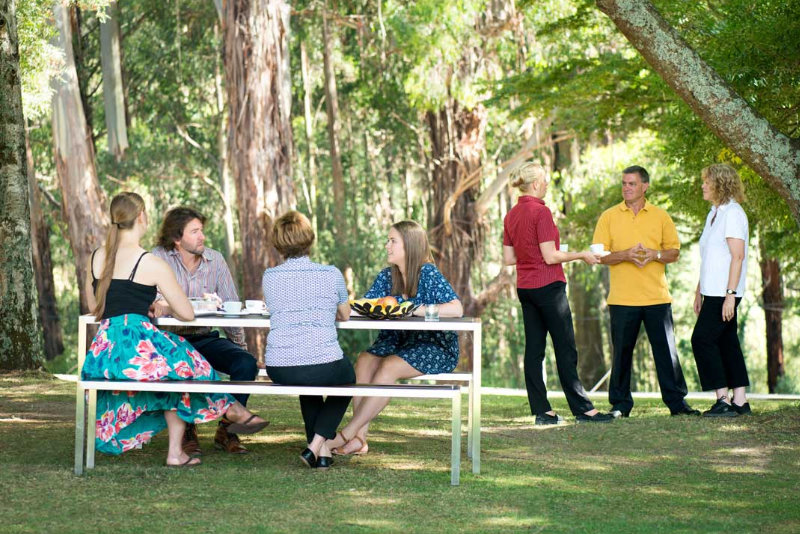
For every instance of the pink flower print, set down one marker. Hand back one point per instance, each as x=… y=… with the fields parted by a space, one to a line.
x=125 y=416
x=149 y=326
x=183 y=369
x=151 y=365
x=136 y=441
x=201 y=366
x=215 y=410
x=105 y=426
x=99 y=344
x=186 y=400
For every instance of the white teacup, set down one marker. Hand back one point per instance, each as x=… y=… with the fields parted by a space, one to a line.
x=255 y=306
x=597 y=248
x=232 y=307
x=563 y=247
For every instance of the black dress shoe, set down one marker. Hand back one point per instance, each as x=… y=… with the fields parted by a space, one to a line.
x=547 y=419
x=616 y=414
x=721 y=409
x=324 y=462
x=744 y=409
x=686 y=410
x=596 y=418
x=308 y=458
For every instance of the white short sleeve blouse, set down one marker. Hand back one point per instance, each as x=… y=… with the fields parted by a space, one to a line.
x=715 y=256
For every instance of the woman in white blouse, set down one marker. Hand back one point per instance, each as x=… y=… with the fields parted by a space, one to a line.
x=723 y=270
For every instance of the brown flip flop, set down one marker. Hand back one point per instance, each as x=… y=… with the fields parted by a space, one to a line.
x=187 y=463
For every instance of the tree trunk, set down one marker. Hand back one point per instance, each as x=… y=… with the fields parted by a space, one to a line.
x=223 y=170
x=586 y=315
x=310 y=189
x=772 y=293
x=332 y=110
x=256 y=37
x=773 y=155
x=113 y=92
x=43 y=266
x=20 y=335
x=457 y=140
x=83 y=202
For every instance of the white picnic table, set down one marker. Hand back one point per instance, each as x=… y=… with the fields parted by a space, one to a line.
x=463 y=324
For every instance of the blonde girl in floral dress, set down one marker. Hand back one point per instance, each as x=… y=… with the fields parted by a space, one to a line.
x=128 y=347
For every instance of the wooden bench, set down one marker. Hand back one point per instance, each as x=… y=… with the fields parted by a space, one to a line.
x=86 y=405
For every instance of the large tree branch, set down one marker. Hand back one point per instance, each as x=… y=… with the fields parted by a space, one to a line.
x=773 y=155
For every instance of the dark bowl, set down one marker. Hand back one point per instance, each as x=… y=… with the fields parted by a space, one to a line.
x=383 y=312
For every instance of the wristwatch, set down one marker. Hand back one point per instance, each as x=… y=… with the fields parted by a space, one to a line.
x=658 y=255
x=730 y=291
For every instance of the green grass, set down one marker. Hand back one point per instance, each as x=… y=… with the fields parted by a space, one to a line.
x=649 y=473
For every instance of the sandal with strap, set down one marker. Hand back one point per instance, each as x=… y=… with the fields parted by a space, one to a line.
x=340 y=451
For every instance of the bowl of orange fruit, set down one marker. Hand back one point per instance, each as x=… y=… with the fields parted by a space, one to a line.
x=383 y=308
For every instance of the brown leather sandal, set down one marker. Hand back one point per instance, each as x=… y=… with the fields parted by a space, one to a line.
x=339 y=451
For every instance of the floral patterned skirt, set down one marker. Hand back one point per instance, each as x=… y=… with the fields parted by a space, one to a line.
x=129 y=347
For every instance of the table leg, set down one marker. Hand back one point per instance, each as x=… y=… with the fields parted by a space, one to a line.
x=80 y=425
x=476 y=400
x=91 y=428
x=470 y=391
x=455 y=446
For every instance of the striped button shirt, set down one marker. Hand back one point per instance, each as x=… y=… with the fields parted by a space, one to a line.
x=211 y=276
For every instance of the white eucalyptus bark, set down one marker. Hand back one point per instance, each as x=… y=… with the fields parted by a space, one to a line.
x=83 y=202
x=113 y=90
x=20 y=332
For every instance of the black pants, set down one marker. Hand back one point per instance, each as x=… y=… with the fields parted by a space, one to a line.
x=226 y=357
x=320 y=415
x=546 y=309
x=717 y=352
x=625 y=324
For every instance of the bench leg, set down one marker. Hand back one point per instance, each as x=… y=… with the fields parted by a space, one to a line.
x=470 y=389
x=80 y=428
x=476 y=402
x=91 y=430
x=455 y=449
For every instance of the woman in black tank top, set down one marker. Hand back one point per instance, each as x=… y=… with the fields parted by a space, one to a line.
x=129 y=347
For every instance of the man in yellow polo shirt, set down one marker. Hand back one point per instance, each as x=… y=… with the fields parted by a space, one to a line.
x=641 y=239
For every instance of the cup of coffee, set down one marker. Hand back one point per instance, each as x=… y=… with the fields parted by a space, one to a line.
x=232 y=306
x=563 y=247
x=255 y=306
x=597 y=248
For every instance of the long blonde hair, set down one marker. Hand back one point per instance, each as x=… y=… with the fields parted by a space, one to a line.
x=725 y=183
x=526 y=174
x=124 y=209
x=418 y=253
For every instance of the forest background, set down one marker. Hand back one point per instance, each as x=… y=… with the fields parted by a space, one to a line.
x=362 y=113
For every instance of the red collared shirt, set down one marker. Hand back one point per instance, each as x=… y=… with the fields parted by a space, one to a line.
x=525 y=226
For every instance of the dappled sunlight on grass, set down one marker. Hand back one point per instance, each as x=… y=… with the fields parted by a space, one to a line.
x=672 y=474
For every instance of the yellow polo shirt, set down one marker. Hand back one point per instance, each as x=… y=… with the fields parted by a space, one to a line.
x=619 y=229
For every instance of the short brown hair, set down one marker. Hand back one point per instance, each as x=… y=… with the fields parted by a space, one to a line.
x=174 y=222
x=292 y=235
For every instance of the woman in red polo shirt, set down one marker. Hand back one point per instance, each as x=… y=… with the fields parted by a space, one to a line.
x=531 y=242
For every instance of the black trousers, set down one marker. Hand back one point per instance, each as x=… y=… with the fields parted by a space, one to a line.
x=321 y=415
x=717 y=352
x=546 y=310
x=625 y=324
x=226 y=357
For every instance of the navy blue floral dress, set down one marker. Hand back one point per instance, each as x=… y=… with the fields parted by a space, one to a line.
x=427 y=352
